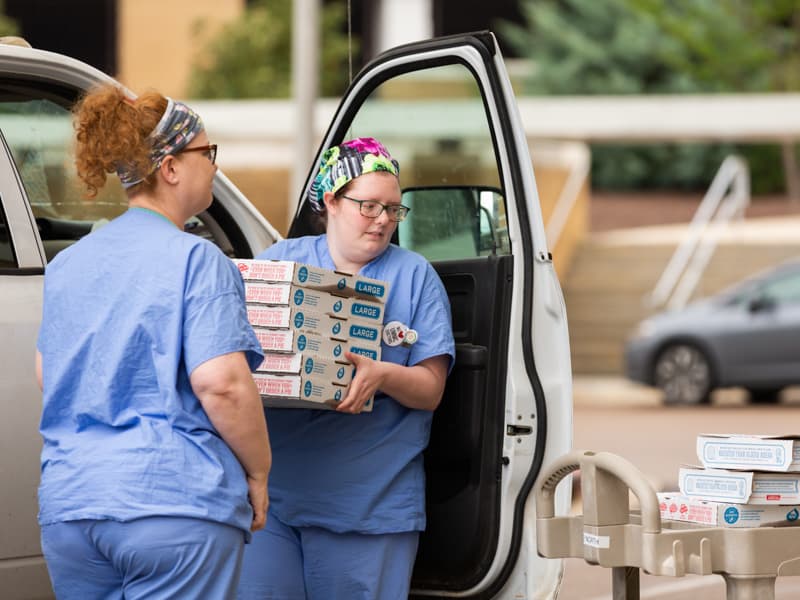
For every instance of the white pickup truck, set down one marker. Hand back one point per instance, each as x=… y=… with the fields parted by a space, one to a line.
x=475 y=215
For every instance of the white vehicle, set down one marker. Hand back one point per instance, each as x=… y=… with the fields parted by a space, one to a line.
x=467 y=176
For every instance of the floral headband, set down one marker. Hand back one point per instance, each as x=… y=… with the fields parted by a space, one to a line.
x=341 y=164
x=178 y=126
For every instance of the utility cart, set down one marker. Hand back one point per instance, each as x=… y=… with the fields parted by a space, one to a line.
x=609 y=534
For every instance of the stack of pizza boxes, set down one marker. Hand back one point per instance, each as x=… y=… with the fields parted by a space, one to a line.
x=744 y=481
x=306 y=318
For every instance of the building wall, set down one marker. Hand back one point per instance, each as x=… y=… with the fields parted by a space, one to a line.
x=158 y=40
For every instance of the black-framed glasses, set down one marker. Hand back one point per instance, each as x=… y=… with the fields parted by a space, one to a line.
x=210 y=151
x=373 y=209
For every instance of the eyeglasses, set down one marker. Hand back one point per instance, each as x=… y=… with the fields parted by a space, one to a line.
x=373 y=209
x=210 y=151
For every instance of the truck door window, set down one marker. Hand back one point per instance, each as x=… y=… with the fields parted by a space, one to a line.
x=435 y=123
x=39 y=132
x=40 y=135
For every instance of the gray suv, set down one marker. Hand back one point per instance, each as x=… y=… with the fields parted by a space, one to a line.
x=475 y=215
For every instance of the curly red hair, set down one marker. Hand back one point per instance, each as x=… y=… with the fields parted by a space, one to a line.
x=112 y=130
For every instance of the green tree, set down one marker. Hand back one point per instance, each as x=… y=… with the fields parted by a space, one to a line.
x=251 y=57
x=720 y=45
x=653 y=46
x=781 y=22
x=589 y=47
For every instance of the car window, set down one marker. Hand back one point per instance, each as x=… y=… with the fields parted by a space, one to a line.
x=37 y=124
x=39 y=133
x=7 y=259
x=783 y=289
x=449 y=172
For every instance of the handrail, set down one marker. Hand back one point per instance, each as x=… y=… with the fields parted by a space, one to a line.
x=727 y=197
x=579 y=160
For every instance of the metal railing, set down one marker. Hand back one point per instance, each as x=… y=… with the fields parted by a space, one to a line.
x=727 y=198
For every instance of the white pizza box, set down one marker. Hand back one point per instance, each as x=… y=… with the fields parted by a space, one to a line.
x=337 y=306
x=299 y=364
x=301 y=391
x=740 y=487
x=290 y=341
x=321 y=368
x=259 y=292
x=276 y=317
x=287 y=271
x=749 y=452
x=275 y=340
x=677 y=507
x=276 y=385
x=281 y=362
x=328 y=347
x=365 y=333
x=333 y=305
x=311 y=321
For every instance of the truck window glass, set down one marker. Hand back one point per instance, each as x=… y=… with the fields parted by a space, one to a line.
x=40 y=135
x=435 y=123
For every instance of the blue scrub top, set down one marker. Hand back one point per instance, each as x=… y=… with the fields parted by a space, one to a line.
x=129 y=312
x=362 y=473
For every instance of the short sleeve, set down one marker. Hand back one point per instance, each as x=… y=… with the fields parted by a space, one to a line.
x=215 y=314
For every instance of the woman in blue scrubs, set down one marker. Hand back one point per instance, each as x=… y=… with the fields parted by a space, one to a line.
x=156 y=453
x=348 y=487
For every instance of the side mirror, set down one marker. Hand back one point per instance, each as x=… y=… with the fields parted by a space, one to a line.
x=454 y=222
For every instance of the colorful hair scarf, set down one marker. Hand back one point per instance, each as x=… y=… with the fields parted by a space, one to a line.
x=341 y=164
x=178 y=126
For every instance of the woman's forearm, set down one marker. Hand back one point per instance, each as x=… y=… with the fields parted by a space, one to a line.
x=421 y=386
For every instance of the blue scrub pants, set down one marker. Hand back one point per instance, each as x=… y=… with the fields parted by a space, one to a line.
x=154 y=557
x=311 y=563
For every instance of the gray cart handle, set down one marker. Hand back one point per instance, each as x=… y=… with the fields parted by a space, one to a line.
x=602 y=473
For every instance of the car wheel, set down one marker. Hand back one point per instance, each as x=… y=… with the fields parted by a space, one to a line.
x=764 y=395
x=683 y=372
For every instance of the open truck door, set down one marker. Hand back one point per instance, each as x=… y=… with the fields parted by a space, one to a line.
x=446 y=110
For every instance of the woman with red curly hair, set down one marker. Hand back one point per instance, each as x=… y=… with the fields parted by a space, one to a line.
x=156 y=454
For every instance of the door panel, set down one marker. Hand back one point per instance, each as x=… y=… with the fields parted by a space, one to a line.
x=463 y=461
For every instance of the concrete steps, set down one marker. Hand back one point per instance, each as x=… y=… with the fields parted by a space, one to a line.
x=612 y=273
